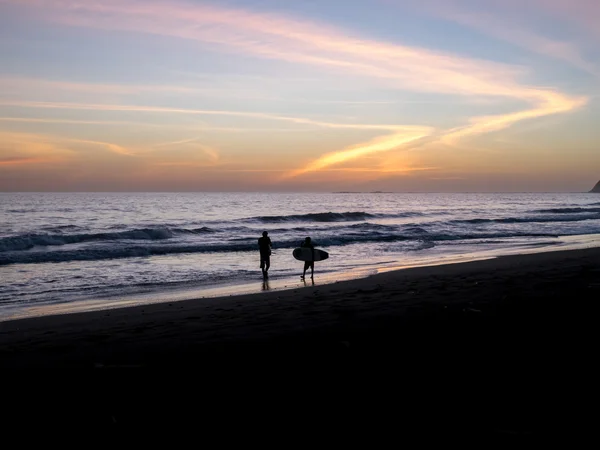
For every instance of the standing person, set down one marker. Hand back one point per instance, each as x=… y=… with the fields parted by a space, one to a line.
x=308 y=244
x=264 y=247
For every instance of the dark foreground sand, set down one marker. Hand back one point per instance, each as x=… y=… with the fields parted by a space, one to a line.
x=500 y=349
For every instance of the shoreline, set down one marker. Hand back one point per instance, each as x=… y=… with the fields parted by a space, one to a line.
x=356 y=292
x=278 y=284
x=492 y=349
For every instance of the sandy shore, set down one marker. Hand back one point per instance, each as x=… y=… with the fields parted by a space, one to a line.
x=514 y=332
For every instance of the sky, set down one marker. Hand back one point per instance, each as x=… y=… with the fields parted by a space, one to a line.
x=305 y=95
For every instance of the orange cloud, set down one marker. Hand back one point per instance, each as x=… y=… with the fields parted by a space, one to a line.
x=488 y=124
x=114 y=148
x=200 y=126
x=382 y=144
x=20 y=161
x=26 y=148
x=73 y=122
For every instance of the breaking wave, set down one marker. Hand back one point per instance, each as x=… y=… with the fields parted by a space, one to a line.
x=329 y=217
x=122 y=250
x=28 y=241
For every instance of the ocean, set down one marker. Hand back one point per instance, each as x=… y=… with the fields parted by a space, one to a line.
x=65 y=252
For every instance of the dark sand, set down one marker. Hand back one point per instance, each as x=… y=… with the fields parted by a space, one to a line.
x=500 y=349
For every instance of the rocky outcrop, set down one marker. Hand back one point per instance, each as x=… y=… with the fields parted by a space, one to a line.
x=596 y=188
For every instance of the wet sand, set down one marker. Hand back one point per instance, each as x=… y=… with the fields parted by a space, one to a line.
x=487 y=349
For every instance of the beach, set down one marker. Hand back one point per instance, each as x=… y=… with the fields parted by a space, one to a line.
x=510 y=329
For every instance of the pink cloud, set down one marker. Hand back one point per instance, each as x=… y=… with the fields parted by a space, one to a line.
x=282 y=38
x=583 y=13
x=278 y=37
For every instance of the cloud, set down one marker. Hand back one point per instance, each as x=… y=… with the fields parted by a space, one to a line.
x=166 y=110
x=114 y=148
x=213 y=86
x=278 y=37
x=384 y=170
x=584 y=14
x=51 y=147
x=200 y=126
x=19 y=161
x=281 y=38
x=522 y=37
x=12 y=84
x=382 y=144
x=512 y=22
x=487 y=124
x=207 y=151
x=27 y=148
x=77 y=122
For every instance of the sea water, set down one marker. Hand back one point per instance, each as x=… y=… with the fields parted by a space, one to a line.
x=62 y=252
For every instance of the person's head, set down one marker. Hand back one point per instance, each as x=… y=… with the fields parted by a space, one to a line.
x=307 y=239
x=265 y=234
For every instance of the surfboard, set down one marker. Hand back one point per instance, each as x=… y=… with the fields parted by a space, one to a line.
x=306 y=254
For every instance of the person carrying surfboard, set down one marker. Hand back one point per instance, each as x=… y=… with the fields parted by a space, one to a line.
x=308 y=244
x=264 y=247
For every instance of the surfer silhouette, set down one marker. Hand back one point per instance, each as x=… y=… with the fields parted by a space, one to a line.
x=308 y=244
x=264 y=247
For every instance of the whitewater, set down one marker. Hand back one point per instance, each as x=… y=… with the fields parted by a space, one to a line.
x=91 y=250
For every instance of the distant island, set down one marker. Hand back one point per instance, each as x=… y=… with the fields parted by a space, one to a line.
x=360 y=192
x=596 y=188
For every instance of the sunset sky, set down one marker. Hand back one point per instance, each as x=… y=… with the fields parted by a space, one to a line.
x=305 y=95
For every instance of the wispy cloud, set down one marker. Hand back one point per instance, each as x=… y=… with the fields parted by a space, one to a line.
x=198 y=127
x=178 y=142
x=166 y=110
x=282 y=38
x=210 y=152
x=29 y=148
x=383 y=144
x=279 y=37
x=486 y=124
x=20 y=161
x=114 y=148
x=80 y=122
x=12 y=84
x=508 y=23
x=384 y=170
x=584 y=14
x=524 y=38
x=212 y=87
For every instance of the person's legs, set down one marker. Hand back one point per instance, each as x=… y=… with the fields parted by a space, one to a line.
x=263 y=265
x=312 y=269
x=306 y=266
x=267 y=265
